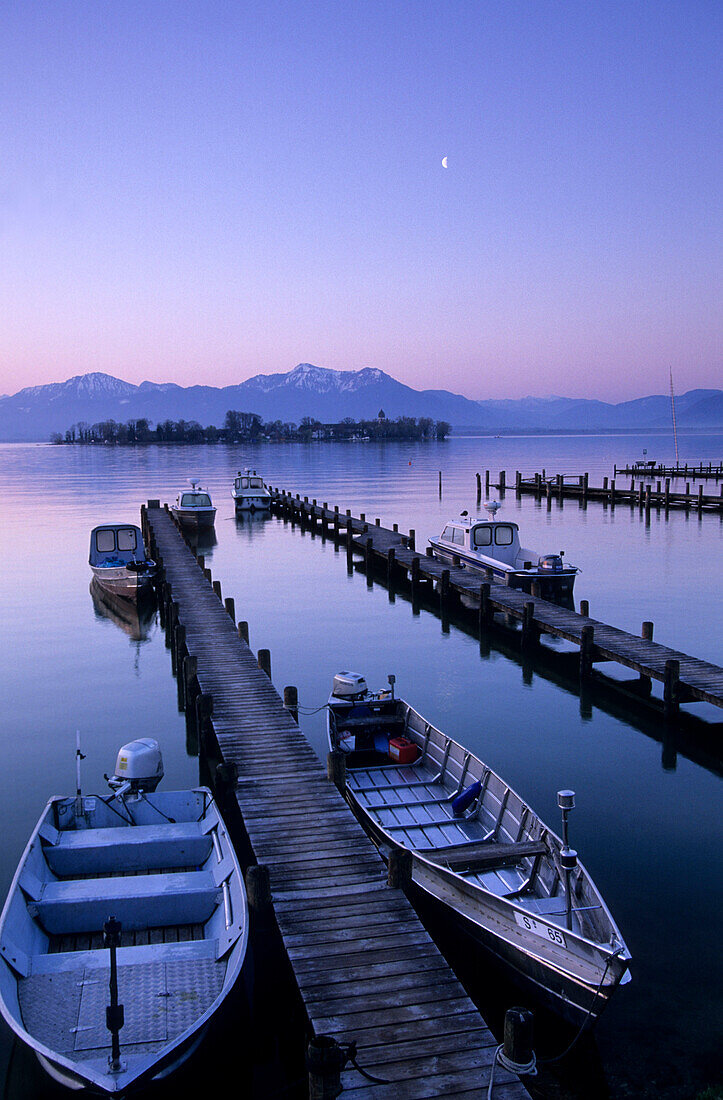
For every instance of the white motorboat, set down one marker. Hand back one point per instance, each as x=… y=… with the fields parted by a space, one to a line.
x=124 y=929
x=118 y=560
x=194 y=509
x=492 y=547
x=499 y=874
x=249 y=492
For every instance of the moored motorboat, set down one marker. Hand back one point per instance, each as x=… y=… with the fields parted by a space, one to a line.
x=492 y=547
x=249 y=492
x=194 y=509
x=118 y=560
x=124 y=929
x=496 y=870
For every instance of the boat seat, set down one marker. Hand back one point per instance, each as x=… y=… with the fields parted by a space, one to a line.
x=79 y=852
x=483 y=855
x=374 y=721
x=60 y=961
x=138 y=901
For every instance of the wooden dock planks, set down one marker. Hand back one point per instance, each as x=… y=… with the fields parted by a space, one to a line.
x=697 y=680
x=365 y=966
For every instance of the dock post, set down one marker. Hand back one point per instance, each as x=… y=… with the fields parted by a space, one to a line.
x=291 y=701
x=415 y=574
x=585 y=478
x=440 y=484
x=700 y=497
x=535 y=590
x=529 y=630
x=412 y=539
x=190 y=682
x=671 y=699
x=216 y=585
x=264 y=661
x=646 y=633
x=399 y=869
x=258 y=889
x=479 y=488
x=585 y=608
x=336 y=768
x=368 y=544
x=518 y=481
x=325 y=1060
x=667 y=493
x=243 y=631
x=204 y=726
x=487 y=482
x=612 y=491
x=230 y=607
x=178 y=648
x=502 y=481
x=586 y=652
x=485 y=611
x=201 y=560
x=444 y=588
x=391 y=555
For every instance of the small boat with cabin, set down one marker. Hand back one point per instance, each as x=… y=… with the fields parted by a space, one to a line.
x=193 y=508
x=492 y=547
x=495 y=870
x=124 y=930
x=118 y=561
x=249 y=492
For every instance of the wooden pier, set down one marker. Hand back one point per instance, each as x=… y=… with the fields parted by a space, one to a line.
x=685 y=679
x=364 y=965
x=641 y=495
x=701 y=471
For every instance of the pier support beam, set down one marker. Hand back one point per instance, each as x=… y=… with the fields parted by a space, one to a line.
x=587 y=645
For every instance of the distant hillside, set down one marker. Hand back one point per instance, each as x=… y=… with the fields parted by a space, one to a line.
x=329 y=395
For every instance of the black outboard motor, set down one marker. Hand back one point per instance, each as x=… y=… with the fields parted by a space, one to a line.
x=550 y=563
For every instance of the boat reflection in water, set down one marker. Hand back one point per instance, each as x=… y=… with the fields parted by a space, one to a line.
x=202 y=540
x=251 y=523
x=135 y=618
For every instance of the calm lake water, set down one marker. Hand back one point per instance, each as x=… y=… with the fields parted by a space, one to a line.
x=650 y=835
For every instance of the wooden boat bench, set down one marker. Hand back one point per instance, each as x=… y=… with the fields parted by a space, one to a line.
x=137 y=901
x=373 y=721
x=484 y=855
x=76 y=852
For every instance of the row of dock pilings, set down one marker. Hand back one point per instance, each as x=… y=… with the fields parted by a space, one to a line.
x=357 y=534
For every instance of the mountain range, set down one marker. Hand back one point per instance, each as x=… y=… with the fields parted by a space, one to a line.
x=37 y=412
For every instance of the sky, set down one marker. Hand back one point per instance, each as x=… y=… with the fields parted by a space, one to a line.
x=205 y=190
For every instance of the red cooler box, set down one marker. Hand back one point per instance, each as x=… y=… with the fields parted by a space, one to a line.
x=402 y=750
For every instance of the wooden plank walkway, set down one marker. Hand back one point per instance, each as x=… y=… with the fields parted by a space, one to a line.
x=685 y=678
x=366 y=968
x=641 y=495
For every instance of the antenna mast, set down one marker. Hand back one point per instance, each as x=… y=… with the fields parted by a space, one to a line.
x=672 y=405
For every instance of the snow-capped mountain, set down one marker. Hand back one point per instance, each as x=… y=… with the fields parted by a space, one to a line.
x=328 y=395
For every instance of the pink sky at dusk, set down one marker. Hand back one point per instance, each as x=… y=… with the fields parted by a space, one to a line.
x=204 y=192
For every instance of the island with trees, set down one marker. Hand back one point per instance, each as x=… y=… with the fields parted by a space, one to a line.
x=245 y=427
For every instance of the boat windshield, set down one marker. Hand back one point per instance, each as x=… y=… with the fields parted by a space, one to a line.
x=195 y=500
x=108 y=540
x=453 y=534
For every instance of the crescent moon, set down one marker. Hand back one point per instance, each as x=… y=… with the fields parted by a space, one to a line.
x=444 y=162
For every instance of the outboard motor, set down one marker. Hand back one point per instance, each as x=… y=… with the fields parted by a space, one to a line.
x=349 y=685
x=550 y=563
x=138 y=767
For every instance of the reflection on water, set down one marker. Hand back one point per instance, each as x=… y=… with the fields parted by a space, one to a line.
x=132 y=616
x=650 y=837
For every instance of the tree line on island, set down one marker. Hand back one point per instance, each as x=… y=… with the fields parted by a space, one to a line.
x=243 y=427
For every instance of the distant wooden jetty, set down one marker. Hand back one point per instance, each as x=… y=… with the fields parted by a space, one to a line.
x=640 y=494
x=698 y=472
x=367 y=970
x=684 y=678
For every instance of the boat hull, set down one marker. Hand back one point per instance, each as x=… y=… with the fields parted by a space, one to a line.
x=549 y=584
x=256 y=503
x=195 y=519
x=125 y=584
